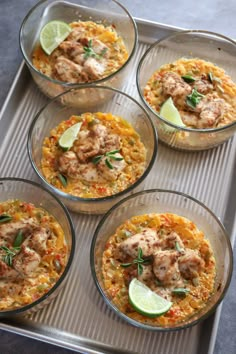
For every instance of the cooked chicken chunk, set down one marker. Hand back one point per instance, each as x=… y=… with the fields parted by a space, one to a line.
x=203 y=85
x=70 y=165
x=165 y=267
x=7 y=271
x=93 y=68
x=170 y=241
x=116 y=167
x=211 y=111
x=38 y=240
x=147 y=274
x=74 y=50
x=9 y=230
x=190 y=264
x=26 y=261
x=67 y=71
x=173 y=85
x=146 y=240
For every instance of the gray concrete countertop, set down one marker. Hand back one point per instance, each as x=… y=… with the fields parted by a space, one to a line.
x=214 y=15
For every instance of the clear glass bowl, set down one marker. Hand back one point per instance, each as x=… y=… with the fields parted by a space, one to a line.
x=208 y=46
x=108 y=11
x=30 y=192
x=166 y=201
x=117 y=103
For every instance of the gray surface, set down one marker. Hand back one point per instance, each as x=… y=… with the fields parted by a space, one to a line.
x=209 y=14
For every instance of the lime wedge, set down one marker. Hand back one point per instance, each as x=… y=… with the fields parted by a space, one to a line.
x=145 y=301
x=53 y=34
x=69 y=136
x=171 y=113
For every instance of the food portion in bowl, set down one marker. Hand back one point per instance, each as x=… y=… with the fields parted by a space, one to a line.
x=170 y=256
x=93 y=155
x=202 y=92
x=33 y=253
x=90 y=52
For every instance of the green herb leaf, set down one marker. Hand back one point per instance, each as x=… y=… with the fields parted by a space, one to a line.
x=9 y=254
x=210 y=77
x=180 y=291
x=116 y=158
x=140 y=253
x=109 y=165
x=188 y=78
x=18 y=240
x=96 y=159
x=125 y=265
x=140 y=269
x=177 y=247
x=62 y=179
x=194 y=98
x=5 y=218
x=89 y=52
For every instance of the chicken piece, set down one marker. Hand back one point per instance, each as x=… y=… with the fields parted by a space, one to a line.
x=87 y=147
x=69 y=164
x=26 y=261
x=190 y=119
x=170 y=240
x=211 y=111
x=93 y=68
x=165 y=267
x=38 y=240
x=111 y=142
x=146 y=240
x=76 y=34
x=147 y=274
x=100 y=48
x=190 y=264
x=116 y=167
x=74 y=50
x=6 y=271
x=9 y=230
x=173 y=85
x=67 y=71
x=203 y=85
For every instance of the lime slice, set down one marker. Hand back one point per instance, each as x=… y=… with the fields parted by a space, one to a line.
x=171 y=113
x=53 y=34
x=145 y=301
x=69 y=136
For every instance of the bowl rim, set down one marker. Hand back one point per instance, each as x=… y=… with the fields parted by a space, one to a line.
x=70 y=258
x=77 y=85
x=113 y=307
x=156 y=114
x=109 y=197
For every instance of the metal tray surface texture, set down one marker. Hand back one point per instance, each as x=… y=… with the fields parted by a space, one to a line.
x=78 y=318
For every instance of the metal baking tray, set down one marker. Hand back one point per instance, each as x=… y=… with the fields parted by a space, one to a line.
x=78 y=318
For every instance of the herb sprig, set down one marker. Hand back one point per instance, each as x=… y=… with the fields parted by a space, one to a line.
x=111 y=155
x=11 y=253
x=194 y=98
x=89 y=51
x=139 y=261
x=5 y=218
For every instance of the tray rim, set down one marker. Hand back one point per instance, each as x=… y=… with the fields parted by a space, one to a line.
x=70 y=341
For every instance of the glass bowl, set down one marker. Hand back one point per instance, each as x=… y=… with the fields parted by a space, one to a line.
x=119 y=104
x=165 y=201
x=109 y=12
x=204 y=45
x=30 y=192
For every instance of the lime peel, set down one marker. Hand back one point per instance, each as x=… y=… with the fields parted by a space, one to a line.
x=53 y=34
x=69 y=136
x=146 y=301
x=170 y=113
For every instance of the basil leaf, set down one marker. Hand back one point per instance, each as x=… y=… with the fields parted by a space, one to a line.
x=62 y=179
x=180 y=291
x=210 y=77
x=140 y=269
x=188 y=78
x=125 y=265
x=5 y=218
x=109 y=165
x=18 y=240
x=96 y=159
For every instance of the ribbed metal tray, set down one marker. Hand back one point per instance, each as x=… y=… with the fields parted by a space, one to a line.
x=78 y=318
